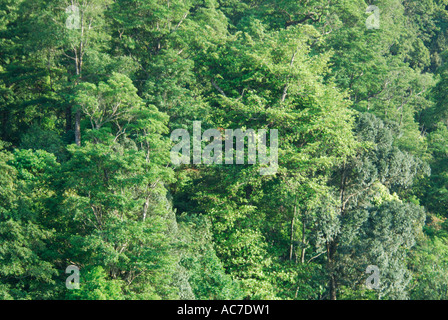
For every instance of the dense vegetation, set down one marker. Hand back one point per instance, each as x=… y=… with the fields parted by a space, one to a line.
x=86 y=178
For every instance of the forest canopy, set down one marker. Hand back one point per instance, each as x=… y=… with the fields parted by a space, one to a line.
x=356 y=92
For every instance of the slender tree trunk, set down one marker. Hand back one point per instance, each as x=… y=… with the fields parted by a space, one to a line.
x=332 y=244
x=78 y=127
x=145 y=207
x=291 y=247
x=302 y=255
x=332 y=277
x=332 y=288
x=78 y=64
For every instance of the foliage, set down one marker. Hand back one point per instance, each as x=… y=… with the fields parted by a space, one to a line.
x=86 y=112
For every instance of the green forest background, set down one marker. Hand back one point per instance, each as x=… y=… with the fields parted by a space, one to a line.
x=85 y=173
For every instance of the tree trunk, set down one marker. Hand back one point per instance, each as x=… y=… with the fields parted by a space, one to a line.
x=332 y=288
x=78 y=127
x=302 y=255
x=332 y=277
x=291 y=247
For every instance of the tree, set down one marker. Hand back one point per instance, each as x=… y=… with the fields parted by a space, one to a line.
x=27 y=270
